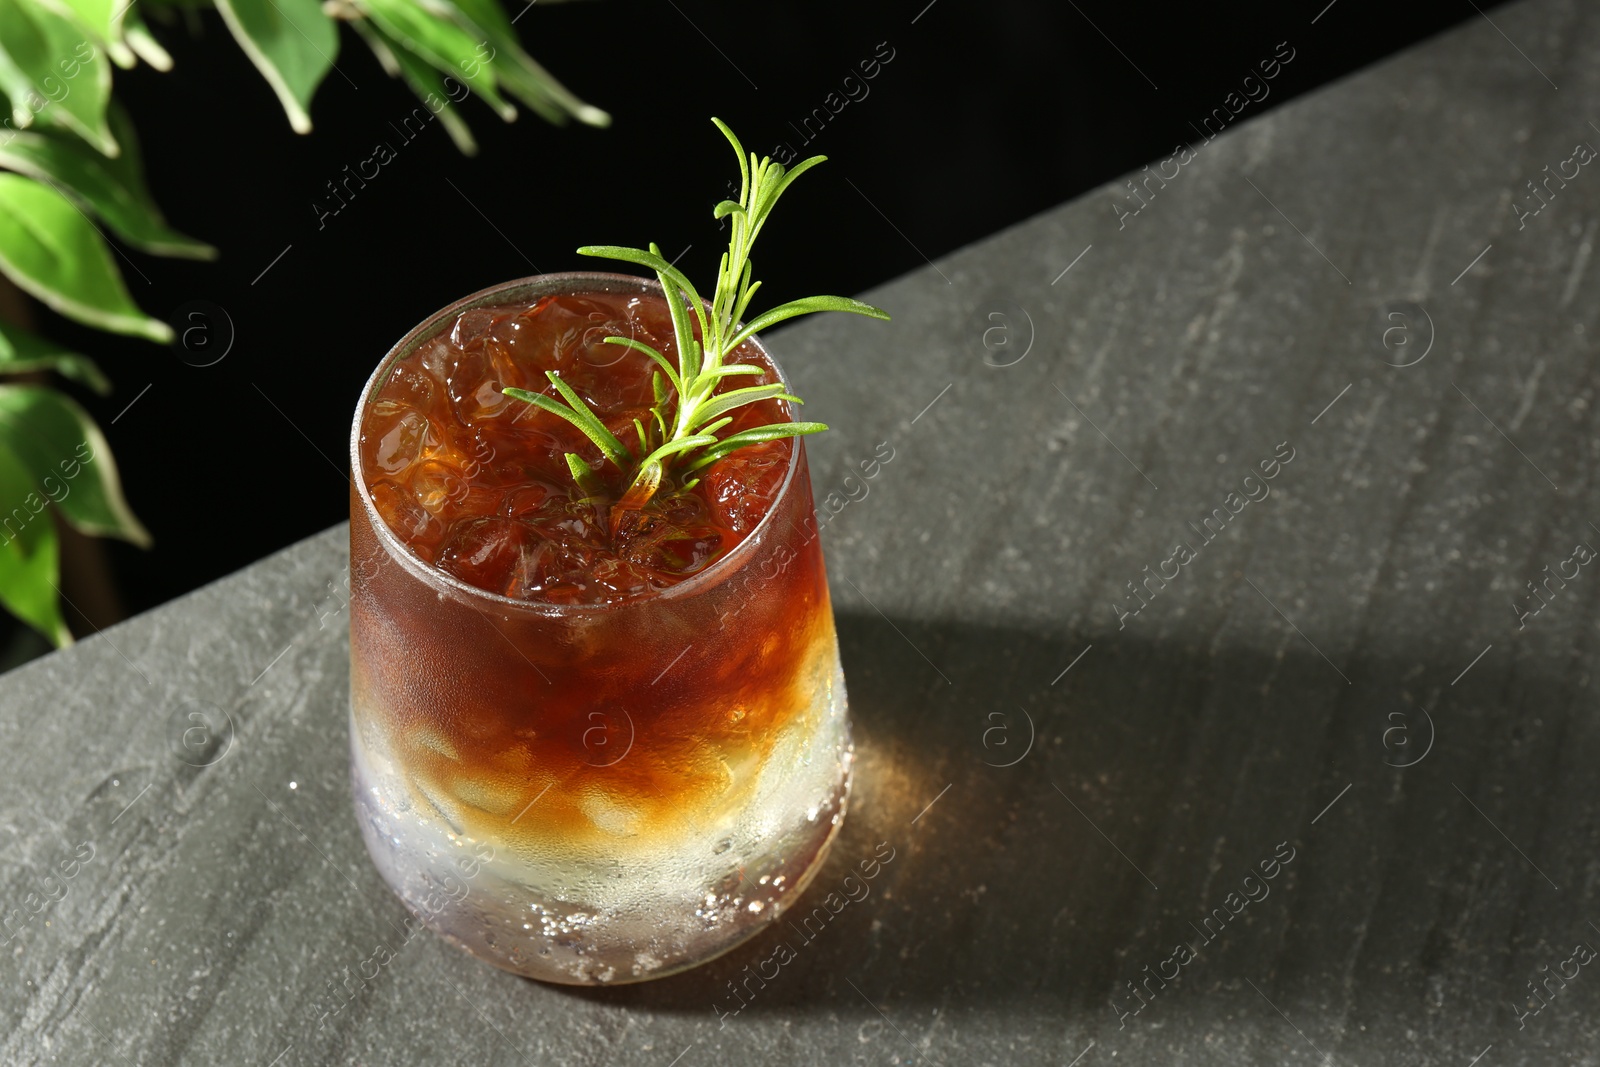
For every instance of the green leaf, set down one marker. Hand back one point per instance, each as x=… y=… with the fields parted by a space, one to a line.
x=785 y=179
x=738 y=150
x=738 y=398
x=291 y=42
x=443 y=43
x=640 y=346
x=29 y=554
x=640 y=257
x=68 y=461
x=103 y=18
x=129 y=169
x=682 y=444
x=48 y=66
x=688 y=351
x=590 y=423
x=484 y=19
x=23 y=353
x=379 y=45
x=142 y=42
x=732 y=368
x=542 y=402
x=52 y=251
x=425 y=82
x=517 y=71
x=734 y=441
x=807 y=306
x=658 y=389
x=585 y=420
x=584 y=475
x=111 y=188
x=529 y=82
x=747 y=293
x=639 y=493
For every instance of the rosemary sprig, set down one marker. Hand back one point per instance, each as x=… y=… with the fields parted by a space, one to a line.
x=681 y=438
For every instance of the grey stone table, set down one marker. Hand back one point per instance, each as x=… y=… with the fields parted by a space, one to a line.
x=1338 y=748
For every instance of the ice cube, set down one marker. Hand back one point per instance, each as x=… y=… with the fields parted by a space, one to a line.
x=592 y=347
x=477 y=378
x=401 y=444
x=656 y=542
x=527 y=578
x=411 y=385
x=473 y=324
x=433 y=356
x=435 y=484
x=742 y=485
x=622 y=388
x=621 y=577
x=571 y=522
x=525 y=500
x=484 y=551
x=492 y=402
x=401 y=513
x=554 y=567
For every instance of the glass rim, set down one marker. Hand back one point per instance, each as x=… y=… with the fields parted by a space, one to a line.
x=574 y=283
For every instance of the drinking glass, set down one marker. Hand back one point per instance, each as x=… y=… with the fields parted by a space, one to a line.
x=595 y=793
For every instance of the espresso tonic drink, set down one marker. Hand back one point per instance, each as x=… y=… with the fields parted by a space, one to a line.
x=585 y=750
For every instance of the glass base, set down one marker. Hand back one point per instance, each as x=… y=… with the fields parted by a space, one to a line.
x=653 y=905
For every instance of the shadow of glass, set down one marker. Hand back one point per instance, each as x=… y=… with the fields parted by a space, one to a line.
x=1031 y=812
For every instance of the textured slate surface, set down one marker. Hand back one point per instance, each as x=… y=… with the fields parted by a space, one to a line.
x=1339 y=675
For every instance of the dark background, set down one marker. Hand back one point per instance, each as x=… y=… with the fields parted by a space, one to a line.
x=986 y=114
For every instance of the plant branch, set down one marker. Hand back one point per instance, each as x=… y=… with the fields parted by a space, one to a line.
x=705 y=334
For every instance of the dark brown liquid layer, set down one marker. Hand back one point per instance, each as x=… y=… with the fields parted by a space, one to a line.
x=477 y=483
x=623 y=722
